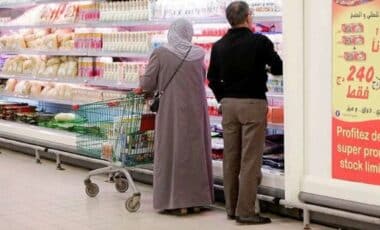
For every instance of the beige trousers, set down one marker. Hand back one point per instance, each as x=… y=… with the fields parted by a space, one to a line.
x=244 y=125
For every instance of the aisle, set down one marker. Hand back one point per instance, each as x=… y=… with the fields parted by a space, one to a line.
x=39 y=197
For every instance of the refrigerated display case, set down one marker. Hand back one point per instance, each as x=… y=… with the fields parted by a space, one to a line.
x=56 y=54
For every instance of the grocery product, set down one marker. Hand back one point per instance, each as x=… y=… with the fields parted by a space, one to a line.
x=124 y=10
x=35 y=89
x=42 y=66
x=65 y=117
x=138 y=42
x=23 y=88
x=10 y=85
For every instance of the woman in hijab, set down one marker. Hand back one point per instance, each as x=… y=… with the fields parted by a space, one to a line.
x=183 y=178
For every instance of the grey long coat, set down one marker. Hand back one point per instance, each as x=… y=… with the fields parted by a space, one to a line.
x=182 y=163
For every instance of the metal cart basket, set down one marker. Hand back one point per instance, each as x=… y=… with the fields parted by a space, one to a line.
x=120 y=132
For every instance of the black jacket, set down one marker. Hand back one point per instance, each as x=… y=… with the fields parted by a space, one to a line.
x=238 y=65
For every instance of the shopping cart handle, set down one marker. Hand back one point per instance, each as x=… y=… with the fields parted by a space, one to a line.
x=113 y=103
x=75 y=107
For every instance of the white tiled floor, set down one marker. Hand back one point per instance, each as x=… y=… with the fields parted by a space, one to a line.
x=40 y=197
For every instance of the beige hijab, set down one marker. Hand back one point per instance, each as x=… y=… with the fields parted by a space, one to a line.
x=179 y=40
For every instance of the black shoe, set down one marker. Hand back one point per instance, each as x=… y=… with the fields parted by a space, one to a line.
x=256 y=219
x=231 y=217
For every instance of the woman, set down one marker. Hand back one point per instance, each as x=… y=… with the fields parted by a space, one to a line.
x=182 y=164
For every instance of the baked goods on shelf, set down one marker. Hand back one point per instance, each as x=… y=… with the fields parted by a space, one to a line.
x=58 y=91
x=42 y=66
x=38 y=39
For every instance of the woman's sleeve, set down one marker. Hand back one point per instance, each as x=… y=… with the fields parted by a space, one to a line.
x=149 y=81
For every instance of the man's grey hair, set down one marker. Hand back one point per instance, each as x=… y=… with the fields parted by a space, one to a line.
x=237 y=13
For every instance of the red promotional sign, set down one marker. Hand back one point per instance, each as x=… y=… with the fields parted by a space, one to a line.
x=356 y=91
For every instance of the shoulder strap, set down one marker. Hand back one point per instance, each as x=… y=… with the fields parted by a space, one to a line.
x=176 y=71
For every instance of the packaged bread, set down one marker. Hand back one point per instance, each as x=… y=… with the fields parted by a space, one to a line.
x=62 y=69
x=60 y=91
x=41 y=32
x=63 y=58
x=21 y=42
x=72 y=59
x=53 y=61
x=52 y=93
x=20 y=65
x=28 y=66
x=23 y=87
x=46 y=14
x=7 y=65
x=12 y=66
x=46 y=89
x=68 y=94
x=67 y=45
x=50 y=41
x=72 y=69
x=10 y=86
x=35 y=89
x=63 y=37
x=36 y=60
x=36 y=44
x=69 y=14
x=3 y=42
x=16 y=42
x=51 y=70
x=41 y=67
x=29 y=37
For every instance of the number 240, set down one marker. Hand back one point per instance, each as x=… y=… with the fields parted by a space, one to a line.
x=361 y=73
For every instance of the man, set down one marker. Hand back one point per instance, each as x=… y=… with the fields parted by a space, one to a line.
x=238 y=75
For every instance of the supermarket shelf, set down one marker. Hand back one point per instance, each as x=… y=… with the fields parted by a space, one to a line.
x=79 y=53
x=112 y=84
x=215 y=119
x=218 y=120
x=224 y=20
x=75 y=80
x=47 y=79
x=47 y=100
x=45 y=52
x=105 y=24
x=21 y=4
x=32 y=134
x=275 y=95
x=118 y=54
x=59 y=1
x=275 y=125
x=83 y=25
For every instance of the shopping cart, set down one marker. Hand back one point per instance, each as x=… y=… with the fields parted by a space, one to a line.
x=120 y=132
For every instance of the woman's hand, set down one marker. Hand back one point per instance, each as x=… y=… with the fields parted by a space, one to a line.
x=138 y=91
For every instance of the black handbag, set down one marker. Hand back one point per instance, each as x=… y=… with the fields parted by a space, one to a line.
x=157 y=95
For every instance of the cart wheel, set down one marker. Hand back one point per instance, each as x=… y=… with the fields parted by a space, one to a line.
x=121 y=185
x=92 y=190
x=132 y=204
